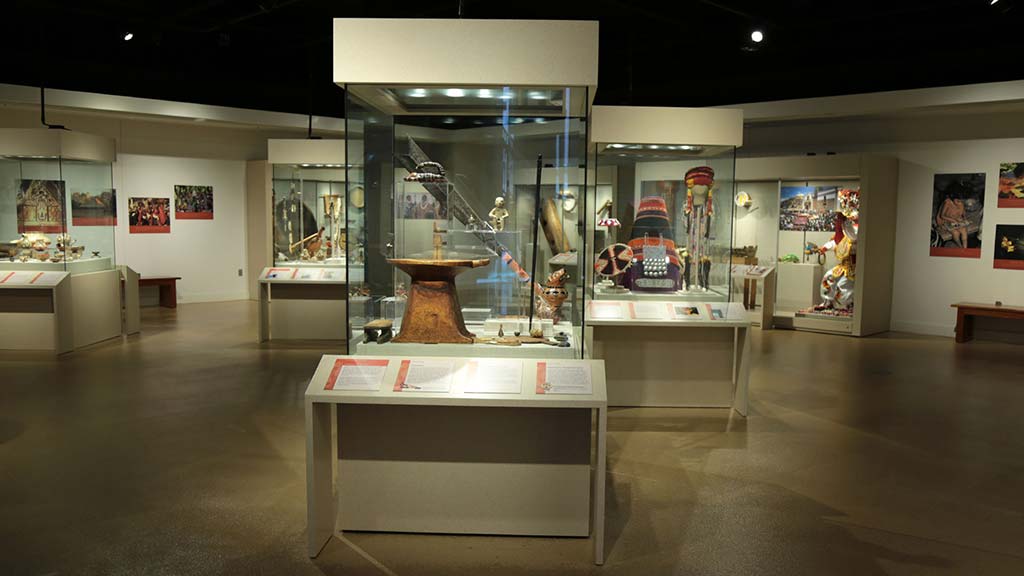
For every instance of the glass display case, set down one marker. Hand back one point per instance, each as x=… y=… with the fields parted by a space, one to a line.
x=56 y=214
x=663 y=229
x=789 y=224
x=473 y=226
x=312 y=213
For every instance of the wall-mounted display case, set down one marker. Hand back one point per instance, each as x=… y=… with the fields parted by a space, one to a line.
x=58 y=214
x=827 y=224
x=478 y=188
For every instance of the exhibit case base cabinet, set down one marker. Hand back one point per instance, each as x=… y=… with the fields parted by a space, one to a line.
x=456 y=446
x=302 y=303
x=35 y=311
x=681 y=354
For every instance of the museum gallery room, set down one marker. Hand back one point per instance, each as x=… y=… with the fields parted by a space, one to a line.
x=308 y=287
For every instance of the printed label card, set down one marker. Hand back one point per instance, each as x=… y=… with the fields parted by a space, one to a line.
x=425 y=376
x=493 y=377
x=356 y=374
x=564 y=378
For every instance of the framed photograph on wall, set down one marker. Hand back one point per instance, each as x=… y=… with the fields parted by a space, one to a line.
x=90 y=208
x=1009 y=249
x=1011 y=185
x=193 y=202
x=149 y=215
x=40 y=206
x=958 y=205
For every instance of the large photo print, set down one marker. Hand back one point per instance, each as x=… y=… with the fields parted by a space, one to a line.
x=193 y=202
x=40 y=206
x=1009 y=249
x=808 y=208
x=149 y=215
x=1011 y=185
x=94 y=208
x=958 y=205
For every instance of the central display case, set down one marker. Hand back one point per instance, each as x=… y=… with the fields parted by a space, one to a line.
x=474 y=218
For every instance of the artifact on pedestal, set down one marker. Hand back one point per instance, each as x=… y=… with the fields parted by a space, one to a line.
x=433 y=314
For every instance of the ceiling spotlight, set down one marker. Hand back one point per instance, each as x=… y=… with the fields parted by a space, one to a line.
x=455 y=92
x=992 y=3
x=757 y=36
x=128 y=36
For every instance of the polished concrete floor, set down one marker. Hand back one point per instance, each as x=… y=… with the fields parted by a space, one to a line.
x=181 y=451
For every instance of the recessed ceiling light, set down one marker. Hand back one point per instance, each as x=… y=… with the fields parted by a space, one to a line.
x=539 y=120
x=505 y=95
x=992 y=2
x=484 y=93
x=449 y=120
x=418 y=93
x=128 y=36
x=654 y=147
x=518 y=121
x=455 y=92
x=757 y=36
x=538 y=96
x=616 y=145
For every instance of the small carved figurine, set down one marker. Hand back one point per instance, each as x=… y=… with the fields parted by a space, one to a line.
x=498 y=214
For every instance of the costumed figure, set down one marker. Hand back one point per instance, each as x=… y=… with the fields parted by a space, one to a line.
x=837 y=285
x=655 y=265
x=700 y=183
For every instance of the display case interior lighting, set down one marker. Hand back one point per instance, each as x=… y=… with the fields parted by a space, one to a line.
x=484 y=93
x=538 y=96
x=418 y=93
x=455 y=92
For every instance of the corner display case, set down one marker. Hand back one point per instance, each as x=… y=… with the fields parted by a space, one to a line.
x=58 y=213
x=474 y=218
x=827 y=224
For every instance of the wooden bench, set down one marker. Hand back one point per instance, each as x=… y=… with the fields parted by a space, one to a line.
x=966 y=311
x=168 y=286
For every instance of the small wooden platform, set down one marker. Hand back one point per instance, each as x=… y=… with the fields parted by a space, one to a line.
x=168 y=286
x=966 y=311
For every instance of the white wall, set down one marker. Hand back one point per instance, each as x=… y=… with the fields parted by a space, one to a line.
x=925 y=286
x=206 y=254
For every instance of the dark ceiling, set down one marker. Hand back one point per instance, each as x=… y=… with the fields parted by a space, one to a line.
x=276 y=54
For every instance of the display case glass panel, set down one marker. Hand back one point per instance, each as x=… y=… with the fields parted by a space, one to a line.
x=468 y=178
x=663 y=228
x=56 y=214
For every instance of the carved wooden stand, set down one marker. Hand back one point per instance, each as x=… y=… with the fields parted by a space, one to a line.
x=432 y=313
